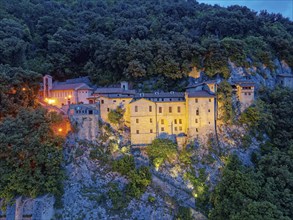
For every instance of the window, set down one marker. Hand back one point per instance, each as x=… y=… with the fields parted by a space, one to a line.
x=180 y=128
x=197 y=112
x=102 y=101
x=123 y=100
x=196 y=100
x=150 y=109
x=170 y=109
x=108 y=109
x=209 y=110
x=137 y=120
x=151 y=131
x=209 y=122
x=210 y=100
x=245 y=93
x=137 y=131
x=160 y=109
x=175 y=121
x=114 y=100
x=180 y=121
x=162 y=129
x=175 y=128
x=249 y=93
x=196 y=120
x=136 y=109
x=170 y=99
x=162 y=121
x=151 y=120
x=178 y=109
x=196 y=129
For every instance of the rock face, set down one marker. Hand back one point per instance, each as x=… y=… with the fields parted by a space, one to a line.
x=261 y=74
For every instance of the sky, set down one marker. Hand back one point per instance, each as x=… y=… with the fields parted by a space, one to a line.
x=285 y=7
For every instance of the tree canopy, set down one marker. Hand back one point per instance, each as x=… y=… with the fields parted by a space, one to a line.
x=111 y=40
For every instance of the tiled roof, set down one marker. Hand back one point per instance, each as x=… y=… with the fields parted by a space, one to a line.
x=244 y=83
x=70 y=86
x=114 y=91
x=160 y=95
x=201 y=93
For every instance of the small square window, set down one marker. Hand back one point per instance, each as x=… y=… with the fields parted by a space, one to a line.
x=170 y=109
x=137 y=131
x=180 y=128
x=175 y=128
x=151 y=120
x=209 y=110
x=180 y=121
x=175 y=121
x=162 y=121
x=150 y=109
x=102 y=101
x=196 y=129
x=114 y=101
x=197 y=112
x=137 y=120
x=178 y=109
x=196 y=100
x=136 y=108
x=108 y=109
x=151 y=130
x=162 y=129
x=196 y=120
x=210 y=100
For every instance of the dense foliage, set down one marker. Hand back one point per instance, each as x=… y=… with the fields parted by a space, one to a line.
x=18 y=88
x=30 y=156
x=139 y=179
x=112 y=40
x=265 y=191
x=115 y=116
x=161 y=150
x=30 y=152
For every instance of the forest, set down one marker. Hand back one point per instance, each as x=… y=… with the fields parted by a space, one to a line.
x=112 y=40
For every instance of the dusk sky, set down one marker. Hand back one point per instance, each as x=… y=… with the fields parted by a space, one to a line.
x=284 y=7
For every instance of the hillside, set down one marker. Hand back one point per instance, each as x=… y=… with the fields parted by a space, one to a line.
x=133 y=40
x=242 y=171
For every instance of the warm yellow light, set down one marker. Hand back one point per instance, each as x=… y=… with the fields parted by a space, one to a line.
x=51 y=101
x=65 y=97
x=60 y=129
x=69 y=96
x=46 y=99
x=23 y=89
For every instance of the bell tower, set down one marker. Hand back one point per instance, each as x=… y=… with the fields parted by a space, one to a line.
x=48 y=84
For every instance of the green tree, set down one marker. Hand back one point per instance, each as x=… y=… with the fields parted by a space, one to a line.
x=31 y=156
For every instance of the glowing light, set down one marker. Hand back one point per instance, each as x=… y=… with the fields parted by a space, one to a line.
x=60 y=129
x=51 y=101
x=23 y=89
x=69 y=96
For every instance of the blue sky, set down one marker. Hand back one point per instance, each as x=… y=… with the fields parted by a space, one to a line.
x=284 y=7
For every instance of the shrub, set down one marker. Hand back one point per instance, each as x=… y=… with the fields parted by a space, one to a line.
x=115 y=116
x=124 y=165
x=160 y=150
